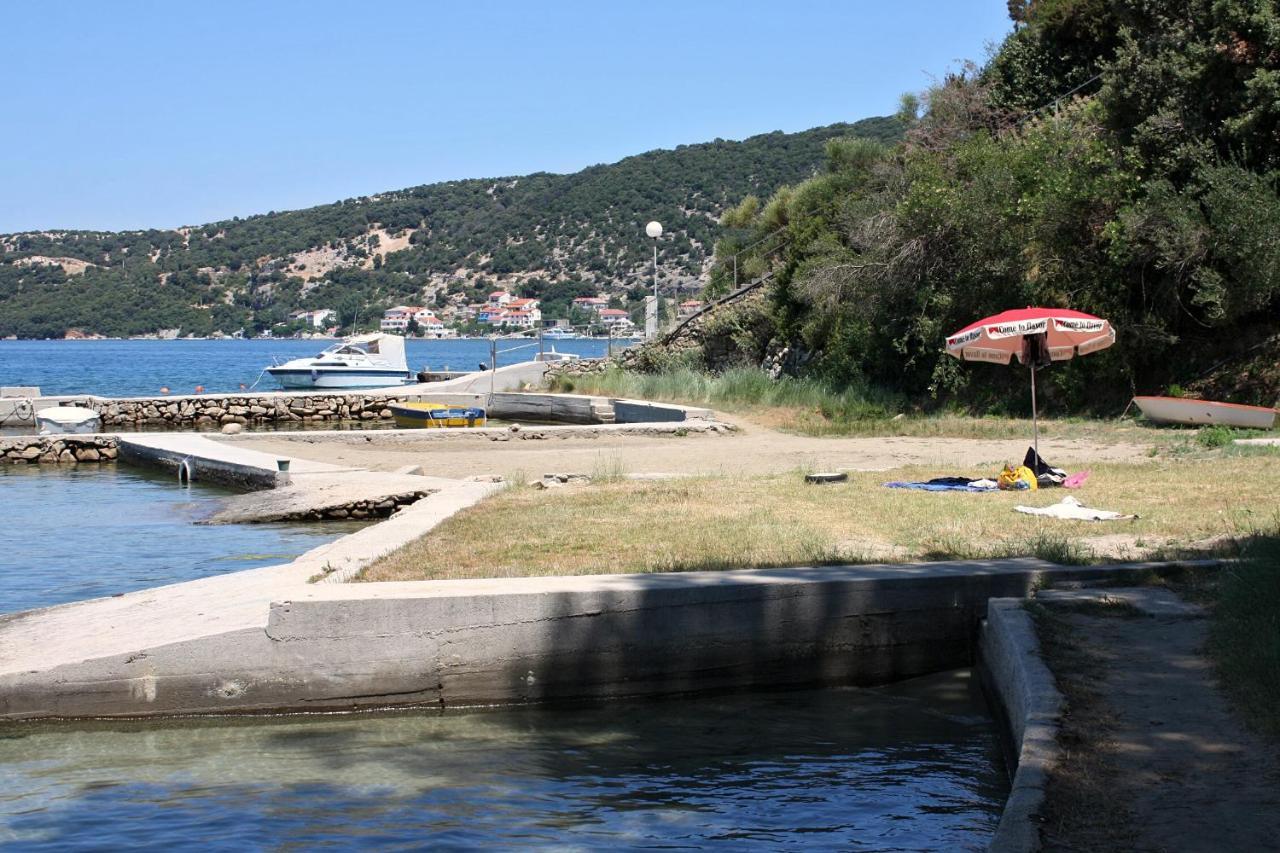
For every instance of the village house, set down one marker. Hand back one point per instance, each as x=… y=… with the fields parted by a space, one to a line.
x=590 y=304
x=318 y=319
x=397 y=319
x=615 y=319
x=688 y=309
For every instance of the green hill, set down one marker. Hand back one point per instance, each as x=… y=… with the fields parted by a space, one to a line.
x=553 y=236
x=1121 y=157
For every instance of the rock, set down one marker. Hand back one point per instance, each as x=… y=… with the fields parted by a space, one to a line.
x=31 y=451
x=67 y=456
x=385 y=414
x=87 y=454
x=109 y=453
x=232 y=429
x=337 y=513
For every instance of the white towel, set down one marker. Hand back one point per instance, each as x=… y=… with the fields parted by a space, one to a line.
x=1071 y=509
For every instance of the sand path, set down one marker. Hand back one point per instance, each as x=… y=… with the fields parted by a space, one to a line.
x=1175 y=762
x=753 y=449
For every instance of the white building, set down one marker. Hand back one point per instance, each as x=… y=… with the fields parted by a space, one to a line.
x=318 y=319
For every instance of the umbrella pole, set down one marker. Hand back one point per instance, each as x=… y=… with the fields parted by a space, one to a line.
x=1035 y=420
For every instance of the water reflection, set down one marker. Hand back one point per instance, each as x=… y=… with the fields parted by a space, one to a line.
x=914 y=766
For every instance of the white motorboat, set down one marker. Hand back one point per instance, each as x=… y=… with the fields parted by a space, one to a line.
x=1183 y=410
x=552 y=355
x=558 y=334
x=67 y=420
x=364 y=361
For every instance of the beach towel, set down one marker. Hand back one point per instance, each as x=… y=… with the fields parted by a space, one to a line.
x=1071 y=509
x=947 y=484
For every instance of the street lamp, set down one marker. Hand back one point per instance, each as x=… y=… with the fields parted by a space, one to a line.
x=654 y=230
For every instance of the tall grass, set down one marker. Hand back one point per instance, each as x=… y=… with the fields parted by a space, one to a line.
x=738 y=388
x=1245 y=634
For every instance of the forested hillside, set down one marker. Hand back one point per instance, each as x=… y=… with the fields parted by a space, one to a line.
x=542 y=234
x=1120 y=157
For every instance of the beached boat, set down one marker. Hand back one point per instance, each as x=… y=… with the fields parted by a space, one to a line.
x=67 y=420
x=436 y=415
x=363 y=361
x=1182 y=410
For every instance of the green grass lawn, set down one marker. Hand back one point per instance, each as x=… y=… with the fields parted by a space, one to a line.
x=708 y=523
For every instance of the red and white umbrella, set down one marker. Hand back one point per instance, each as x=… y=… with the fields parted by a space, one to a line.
x=1036 y=336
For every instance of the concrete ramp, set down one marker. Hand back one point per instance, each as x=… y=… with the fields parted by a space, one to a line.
x=195 y=457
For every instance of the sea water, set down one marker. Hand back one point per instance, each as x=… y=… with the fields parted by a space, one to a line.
x=69 y=533
x=913 y=766
x=137 y=368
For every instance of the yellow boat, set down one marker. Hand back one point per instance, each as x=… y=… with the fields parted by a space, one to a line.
x=437 y=415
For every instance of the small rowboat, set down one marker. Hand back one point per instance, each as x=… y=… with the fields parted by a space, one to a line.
x=1181 y=410
x=65 y=420
x=437 y=415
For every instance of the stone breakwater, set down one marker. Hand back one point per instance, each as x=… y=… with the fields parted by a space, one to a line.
x=580 y=367
x=216 y=411
x=58 y=449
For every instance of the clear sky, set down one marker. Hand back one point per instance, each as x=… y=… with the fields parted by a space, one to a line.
x=131 y=114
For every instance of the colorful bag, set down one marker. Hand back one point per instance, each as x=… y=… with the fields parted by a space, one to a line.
x=1021 y=477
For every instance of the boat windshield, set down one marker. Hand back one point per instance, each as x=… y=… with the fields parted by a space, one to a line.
x=342 y=349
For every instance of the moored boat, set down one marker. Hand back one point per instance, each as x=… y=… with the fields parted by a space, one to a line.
x=1183 y=410
x=67 y=420
x=436 y=415
x=363 y=361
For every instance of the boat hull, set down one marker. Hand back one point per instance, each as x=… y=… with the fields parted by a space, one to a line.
x=1180 y=410
x=68 y=420
x=302 y=378
x=437 y=416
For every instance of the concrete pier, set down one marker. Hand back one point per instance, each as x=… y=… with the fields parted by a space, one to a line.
x=267 y=640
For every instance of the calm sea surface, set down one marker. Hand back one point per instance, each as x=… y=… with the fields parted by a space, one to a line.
x=135 y=368
x=71 y=533
x=910 y=767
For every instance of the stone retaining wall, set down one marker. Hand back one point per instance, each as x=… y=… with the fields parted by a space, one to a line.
x=215 y=411
x=58 y=449
x=1029 y=703
x=356 y=510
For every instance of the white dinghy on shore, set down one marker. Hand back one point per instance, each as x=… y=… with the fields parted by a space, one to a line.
x=1183 y=410
x=67 y=420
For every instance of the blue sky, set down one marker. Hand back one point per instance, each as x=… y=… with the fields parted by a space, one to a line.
x=158 y=114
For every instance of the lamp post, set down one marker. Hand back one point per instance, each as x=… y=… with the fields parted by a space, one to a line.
x=654 y=230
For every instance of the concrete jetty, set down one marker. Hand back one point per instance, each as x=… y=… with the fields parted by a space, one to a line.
x=267 y=640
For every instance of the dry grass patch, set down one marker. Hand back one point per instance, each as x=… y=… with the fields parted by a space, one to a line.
x=708 y=523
